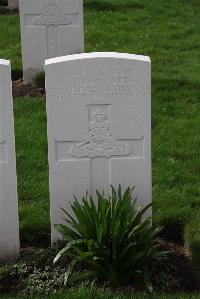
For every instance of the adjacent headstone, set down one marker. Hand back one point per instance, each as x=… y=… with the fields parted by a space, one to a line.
x=49 y=28
x=9 y=223
x=99 y=127
x=13 y=4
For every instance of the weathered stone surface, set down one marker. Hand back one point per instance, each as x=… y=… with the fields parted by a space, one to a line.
x=9 y=223
x=99 y=126
x=49 y=28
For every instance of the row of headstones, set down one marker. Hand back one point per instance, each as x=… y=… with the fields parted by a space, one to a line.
x=99 y=133
x=49 y=28
x=98 y=111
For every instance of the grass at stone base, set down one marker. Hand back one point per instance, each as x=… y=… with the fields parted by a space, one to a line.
x=32 y=170
x=167 y=31
x=93 y=293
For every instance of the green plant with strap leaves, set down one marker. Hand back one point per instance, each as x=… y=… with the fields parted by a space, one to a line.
x=113 y=240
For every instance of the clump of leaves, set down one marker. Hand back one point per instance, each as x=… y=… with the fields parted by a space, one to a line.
x=8 y=279
x=39 y=79
x=34 y=274
x=44 y=281
x=113 y=240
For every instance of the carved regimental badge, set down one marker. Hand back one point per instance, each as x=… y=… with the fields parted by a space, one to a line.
x=100 y=142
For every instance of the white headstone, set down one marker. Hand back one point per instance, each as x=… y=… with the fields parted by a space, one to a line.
x=49 y=28
x=99 y=127
x=9 y=223
x=13 y=4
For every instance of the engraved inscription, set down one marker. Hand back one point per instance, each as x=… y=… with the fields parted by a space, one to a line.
x=100 y=141
x=98 y=85
x=108 y=76
x=52 y=16
x=99 y=91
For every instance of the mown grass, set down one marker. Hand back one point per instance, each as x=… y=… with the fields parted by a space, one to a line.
x=32 y=170
x=167 y=31
x=93 y=293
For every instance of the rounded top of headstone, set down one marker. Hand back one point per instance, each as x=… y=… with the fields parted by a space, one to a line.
x=4 y=62
x=97 y=55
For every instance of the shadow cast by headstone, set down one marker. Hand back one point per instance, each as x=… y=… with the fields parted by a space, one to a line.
x=175 y=84
x=195 y=249
x=173 y=230
x=170 y=91
x=35 y=239
x=107 y=5
x=176 y=89
x=16 y=74
x=4 y=10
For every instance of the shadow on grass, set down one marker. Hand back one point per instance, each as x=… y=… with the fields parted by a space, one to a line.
x=35 y=239
x=3 y=2
x=16 y=74
x=4 y=10
x=173 y=230
x=176 y=85
x=195 y=249
x=102 y=5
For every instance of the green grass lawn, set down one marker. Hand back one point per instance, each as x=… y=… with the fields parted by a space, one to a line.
x=167 y=31
x=92 y=293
